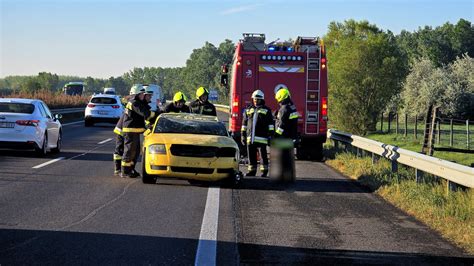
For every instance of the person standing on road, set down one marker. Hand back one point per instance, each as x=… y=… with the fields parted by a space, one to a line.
x=178 y=105
x=119 y=141
x=202 y=105
x=286 y=123
x=136 y=111
x=257 y=130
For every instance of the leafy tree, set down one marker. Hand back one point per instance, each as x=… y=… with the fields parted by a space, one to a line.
x=48 y=81
x=365 y=71
x=30 y=85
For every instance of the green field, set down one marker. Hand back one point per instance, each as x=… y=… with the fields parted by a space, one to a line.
x=411 y=144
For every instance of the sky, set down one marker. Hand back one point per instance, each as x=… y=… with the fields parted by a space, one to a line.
x=105 y=38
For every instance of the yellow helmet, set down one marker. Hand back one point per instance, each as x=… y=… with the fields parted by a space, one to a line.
x=282 y=94
x=179 y=96
x=201 y=91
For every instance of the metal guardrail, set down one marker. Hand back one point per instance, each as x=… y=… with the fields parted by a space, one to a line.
x=453 y=172
x=67 y=110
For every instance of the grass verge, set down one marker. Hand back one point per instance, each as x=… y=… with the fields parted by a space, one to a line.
x=451 y=214
x=53 y=100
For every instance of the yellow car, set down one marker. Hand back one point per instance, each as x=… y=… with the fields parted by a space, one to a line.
x=190 y=146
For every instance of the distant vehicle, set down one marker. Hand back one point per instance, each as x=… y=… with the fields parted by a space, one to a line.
x=29 y=124
x=74 y=88
x=109 y=91
x=103 y=108
x=190 y=146
x=300 y=66
x=158 y=99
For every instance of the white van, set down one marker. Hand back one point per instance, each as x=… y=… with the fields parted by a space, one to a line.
x=109 y=91
x=158 y=100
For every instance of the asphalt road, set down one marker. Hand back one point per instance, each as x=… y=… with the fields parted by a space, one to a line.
x=74 y=211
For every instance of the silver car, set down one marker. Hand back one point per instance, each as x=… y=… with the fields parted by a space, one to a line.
x=103 y=108
x=29 y=124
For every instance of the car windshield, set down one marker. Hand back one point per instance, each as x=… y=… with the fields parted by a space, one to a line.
x=173 y=125
x=22 y=108
x=103 y=100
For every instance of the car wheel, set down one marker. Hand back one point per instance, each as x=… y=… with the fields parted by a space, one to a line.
x=88 y=123
x=58 y=143
x=146 y=178
x=44 y=148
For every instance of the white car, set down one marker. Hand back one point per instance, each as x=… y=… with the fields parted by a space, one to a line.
x=103 y=108
x=158 y=99
x=29 y=124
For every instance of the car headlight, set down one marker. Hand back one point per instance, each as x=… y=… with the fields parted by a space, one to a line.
x=157 y=149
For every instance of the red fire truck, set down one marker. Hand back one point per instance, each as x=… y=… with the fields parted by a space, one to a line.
x=301 y=67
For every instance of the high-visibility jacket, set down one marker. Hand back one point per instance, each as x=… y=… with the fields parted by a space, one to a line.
x=203 y=108
x=119 y=125
x=171 y=108
x=257 y=124
x=136 y=112
x=286 y=124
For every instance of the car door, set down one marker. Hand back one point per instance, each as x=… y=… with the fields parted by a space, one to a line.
x=52 y=126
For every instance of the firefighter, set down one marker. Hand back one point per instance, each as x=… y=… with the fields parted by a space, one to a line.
x=178 y=105
x=136 y=111
x=150 y=121
x=286 y=123
x=118 y=146
x=202 y=105
x=257 y=130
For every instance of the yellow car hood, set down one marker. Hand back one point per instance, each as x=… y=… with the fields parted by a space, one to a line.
x=190 y=139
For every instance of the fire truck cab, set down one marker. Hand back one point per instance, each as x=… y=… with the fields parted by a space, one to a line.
x=300 y=66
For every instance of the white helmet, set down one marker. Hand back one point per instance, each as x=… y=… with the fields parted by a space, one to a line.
x=258 y=94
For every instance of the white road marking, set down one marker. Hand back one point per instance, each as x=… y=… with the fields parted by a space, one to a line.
x=72 y=123
x=48 y=162
x=104 y=141
x=207 y=246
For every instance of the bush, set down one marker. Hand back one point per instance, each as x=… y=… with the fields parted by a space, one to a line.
x=53 y=100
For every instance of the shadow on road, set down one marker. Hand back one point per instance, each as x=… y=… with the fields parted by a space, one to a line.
x=72 y=248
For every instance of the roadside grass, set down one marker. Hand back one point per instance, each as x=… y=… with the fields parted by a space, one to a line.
x=53 y=100
x=415 y=145
x=451 y=214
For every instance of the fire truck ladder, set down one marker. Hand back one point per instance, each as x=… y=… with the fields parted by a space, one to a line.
x=312 y=89
x=430 y=131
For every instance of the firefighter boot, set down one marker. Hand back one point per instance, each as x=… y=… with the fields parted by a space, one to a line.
x=252 y=170
x=118 y=167
x=126 y=171
x=264 y=169
x=134 y=173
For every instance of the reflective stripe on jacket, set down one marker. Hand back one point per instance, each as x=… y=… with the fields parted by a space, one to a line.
x=257 y=124
x=136 y=112
x=286 y=123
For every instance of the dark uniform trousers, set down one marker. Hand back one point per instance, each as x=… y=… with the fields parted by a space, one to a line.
x=131 y=150
x=252 y=153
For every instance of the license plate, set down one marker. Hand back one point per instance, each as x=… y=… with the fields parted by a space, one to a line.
x=7 y=125
x=103 y=113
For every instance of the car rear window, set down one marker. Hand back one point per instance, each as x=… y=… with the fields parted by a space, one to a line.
x=103 y=100
x=172 y=125
x=22 y=108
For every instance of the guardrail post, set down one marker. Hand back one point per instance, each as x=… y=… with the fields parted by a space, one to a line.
x=381 y=123
x=467 y=134
x=418 y=175
x=451 y=135
x=374 y=158
x=415 y=132
x=406 y=125
x=452 y=186
x=394 y=166
x=336 y=144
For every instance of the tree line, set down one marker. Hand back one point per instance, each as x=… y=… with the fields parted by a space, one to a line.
x=371 y=70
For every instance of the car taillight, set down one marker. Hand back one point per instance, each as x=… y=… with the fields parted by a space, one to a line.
x=32 y=123
x=235 y=106
x=116 y=106
x=91 y=105
x=324 y=108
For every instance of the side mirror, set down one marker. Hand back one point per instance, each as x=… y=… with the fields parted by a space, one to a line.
x=57 y=116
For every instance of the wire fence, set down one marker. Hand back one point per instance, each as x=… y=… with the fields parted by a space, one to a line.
x=452 y=133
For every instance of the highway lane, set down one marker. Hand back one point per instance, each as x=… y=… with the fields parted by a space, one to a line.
x=74 y=211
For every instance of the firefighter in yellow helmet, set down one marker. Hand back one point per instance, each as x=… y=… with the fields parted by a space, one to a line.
x=257 y=130
x=202 y=105
x=178 y=105
x=136 y=111
x=286 y=124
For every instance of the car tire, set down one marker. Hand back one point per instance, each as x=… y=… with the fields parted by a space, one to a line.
x=88 y=123
x=44 y=148
x=58 y=143
x=146 y=178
